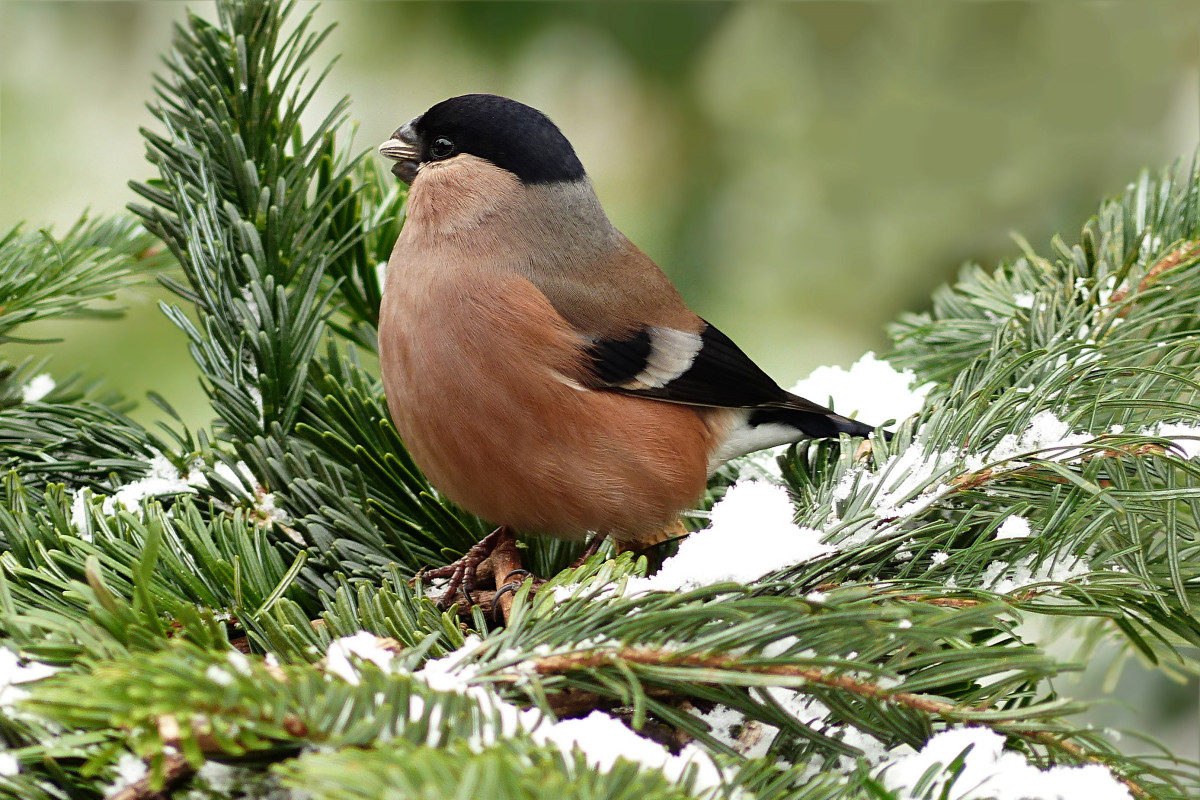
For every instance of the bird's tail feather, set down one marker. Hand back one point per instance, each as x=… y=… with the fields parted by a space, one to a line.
x=811 y=419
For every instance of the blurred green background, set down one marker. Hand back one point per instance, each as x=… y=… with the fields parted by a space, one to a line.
x=804 y=172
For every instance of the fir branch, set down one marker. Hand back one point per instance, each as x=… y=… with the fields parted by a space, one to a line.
x=248 y=202
x=723 y=669
x=43 y=277
x=65 y=430
x=101 y=590
x=281 y=234
x=1185 y=254
x=511 y=773
x=75 y=441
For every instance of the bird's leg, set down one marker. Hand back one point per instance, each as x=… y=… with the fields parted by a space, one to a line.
x=486 y=547
x=506 y=562
x=462 y=571
x=592 y=548
x=429 y=575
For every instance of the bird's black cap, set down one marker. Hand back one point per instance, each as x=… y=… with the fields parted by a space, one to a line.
x=511 y=135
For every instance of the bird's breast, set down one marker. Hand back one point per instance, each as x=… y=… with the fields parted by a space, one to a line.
x=477 y=375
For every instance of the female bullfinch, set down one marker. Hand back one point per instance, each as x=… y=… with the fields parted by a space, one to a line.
x=543 y=372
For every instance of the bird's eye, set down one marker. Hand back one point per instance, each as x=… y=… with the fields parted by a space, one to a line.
x=441 y=147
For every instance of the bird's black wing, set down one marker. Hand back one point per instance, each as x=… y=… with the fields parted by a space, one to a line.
x=705 y=369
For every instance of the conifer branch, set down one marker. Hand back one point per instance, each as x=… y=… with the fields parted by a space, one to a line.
x=714 y=663
x=1185 y=254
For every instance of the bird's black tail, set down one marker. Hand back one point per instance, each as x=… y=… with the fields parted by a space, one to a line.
x=811 y=419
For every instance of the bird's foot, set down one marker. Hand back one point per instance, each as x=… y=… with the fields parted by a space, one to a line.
x=506 y=565
x=495 y=558
x=462 y=573
x=512 y=582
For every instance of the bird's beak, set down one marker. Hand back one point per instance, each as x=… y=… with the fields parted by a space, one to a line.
x=403 y=148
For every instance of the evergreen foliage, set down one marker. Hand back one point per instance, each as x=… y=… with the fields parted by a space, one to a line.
x=157 y=571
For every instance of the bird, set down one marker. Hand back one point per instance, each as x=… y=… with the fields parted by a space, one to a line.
x=543 y=372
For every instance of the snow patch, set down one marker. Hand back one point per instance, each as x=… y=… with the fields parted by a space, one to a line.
x=79 y=513
x=37 y=388
x=1002 y=577
x=501 y=718
x=1105 y=292
x=257 y=398
x=448 y=673
x=753 y=739
x=269 y=513
x=163 y=480
x=1185 y=437
x=910 y=482
x=905 y=485
x=219 y=777
x=730 y=727
x=239 y=662
x=130 y=769
x=1047 y=436
x=362 y=645
x=218 y=676
x=760 y=465
x=992 y=773
x=872 y=390
x=812 y=713
x=239 y=475
x=752 y=533
x=1014 y=527
x=264 y=507
x=12 y=673
x=603 y=739
x=252 y=305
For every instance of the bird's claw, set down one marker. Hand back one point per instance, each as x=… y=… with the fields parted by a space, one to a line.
x=508 y=587
x=462 y=572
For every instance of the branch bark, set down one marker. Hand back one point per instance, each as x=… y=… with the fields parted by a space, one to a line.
x=175 y=771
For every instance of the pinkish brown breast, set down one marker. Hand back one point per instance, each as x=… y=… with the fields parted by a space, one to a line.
x=475 y=374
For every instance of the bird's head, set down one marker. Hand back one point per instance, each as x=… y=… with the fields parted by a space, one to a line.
x=503 y=132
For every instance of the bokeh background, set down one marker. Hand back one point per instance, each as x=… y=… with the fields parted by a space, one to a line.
x=804 y=172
